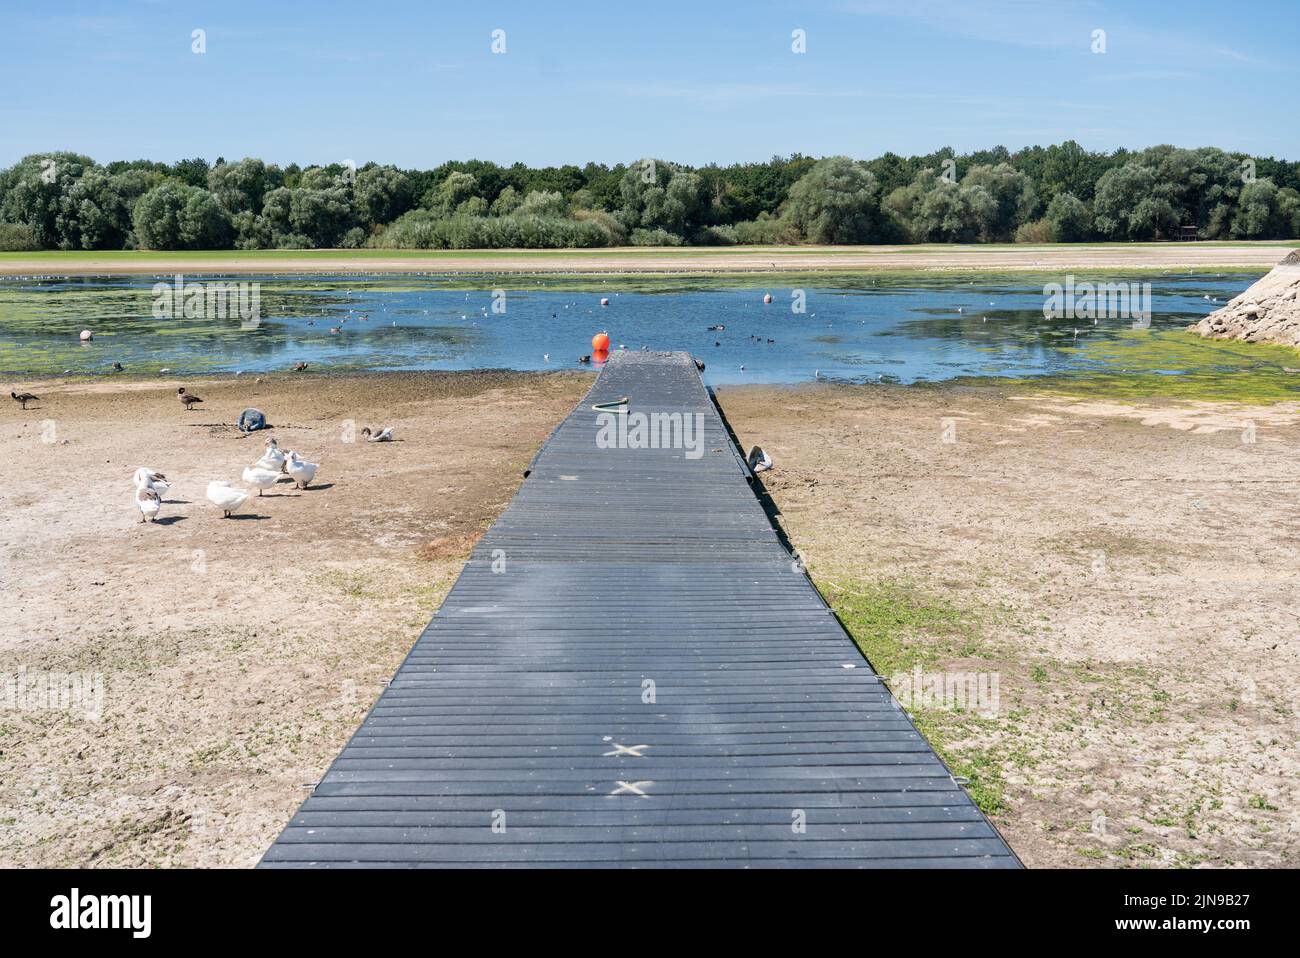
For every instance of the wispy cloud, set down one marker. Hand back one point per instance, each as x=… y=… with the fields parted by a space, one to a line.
x=1049 y=24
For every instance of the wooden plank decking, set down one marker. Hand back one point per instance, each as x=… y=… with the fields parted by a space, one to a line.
x=631 y=671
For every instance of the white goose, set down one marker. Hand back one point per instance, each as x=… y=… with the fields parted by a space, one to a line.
x=146 y=478
x=301 y=471
x=149 y=502
x=384 y=435
x=225 y=497
x=262 y=478
x=273 y=458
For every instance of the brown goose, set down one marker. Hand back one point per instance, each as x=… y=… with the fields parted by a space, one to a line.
x=23 y=398
x=188 y=399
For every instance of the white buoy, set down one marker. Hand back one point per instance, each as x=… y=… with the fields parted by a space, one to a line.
x=604 y=301
x=767 y=297
x=87 y=335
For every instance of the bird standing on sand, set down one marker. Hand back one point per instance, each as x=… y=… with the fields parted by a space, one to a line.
x=23 y=398
x=149 y=502
x=272 y=459
x=262 y=478
x=225 y=497
x=301 y=471
x=146 y=478
x=187 y=399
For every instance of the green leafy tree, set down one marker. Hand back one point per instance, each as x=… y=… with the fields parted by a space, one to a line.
x=34 y=188
x=240 y=186
x=543 y=203
x=322 y=215
x=95 y=212
x=1069 y=218
x=1127 y=208
x=837 y=201
x=382 y=194
x=448 y=195
x=175 y=216
x=1013 y=193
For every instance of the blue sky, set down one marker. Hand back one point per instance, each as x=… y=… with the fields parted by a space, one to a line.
x=416 y=83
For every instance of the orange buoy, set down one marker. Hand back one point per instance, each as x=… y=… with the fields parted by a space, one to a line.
x=599 y=356
x=600 y=343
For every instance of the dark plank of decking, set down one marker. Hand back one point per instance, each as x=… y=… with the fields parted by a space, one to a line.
x=520 y=701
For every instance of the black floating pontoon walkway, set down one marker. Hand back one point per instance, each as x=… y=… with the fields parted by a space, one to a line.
x=631 y=671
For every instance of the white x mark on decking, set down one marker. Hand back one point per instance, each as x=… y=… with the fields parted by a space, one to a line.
x=633 y=788
x=627 y=750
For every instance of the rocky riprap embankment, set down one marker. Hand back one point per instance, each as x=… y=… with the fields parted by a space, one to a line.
x=1268 y=312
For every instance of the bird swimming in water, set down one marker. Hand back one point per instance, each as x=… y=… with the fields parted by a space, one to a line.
x=23 y=398
x=187 y=399
x=299 y=367
x=118 y=367
x=584 y=359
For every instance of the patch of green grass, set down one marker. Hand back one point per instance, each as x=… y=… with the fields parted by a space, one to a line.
x=899 y=628
x=1261 y=803
x=886 y=620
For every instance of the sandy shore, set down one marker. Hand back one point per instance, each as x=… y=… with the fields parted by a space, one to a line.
x=638 y=260
x=1128 y=570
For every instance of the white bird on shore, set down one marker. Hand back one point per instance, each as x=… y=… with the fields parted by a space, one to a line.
x=384 y=435
x=146 y=478
x=300 y=470
x=273 y=458
x=149 y=502
x=225 y=497
x=262 y=478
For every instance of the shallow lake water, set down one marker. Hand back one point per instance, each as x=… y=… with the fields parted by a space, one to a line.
x=857 y=330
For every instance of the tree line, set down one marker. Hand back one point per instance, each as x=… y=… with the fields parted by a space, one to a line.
x=1059 y=193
